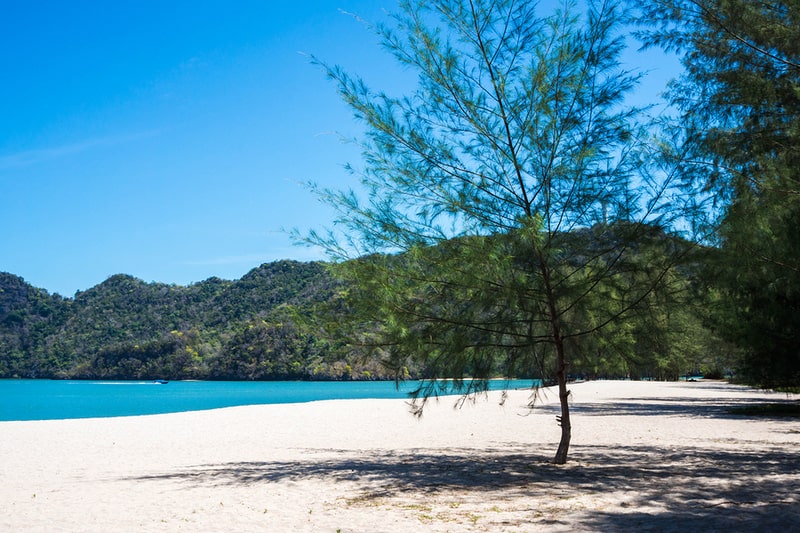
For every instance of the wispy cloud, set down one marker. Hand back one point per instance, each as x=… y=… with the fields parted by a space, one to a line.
x=38 y=155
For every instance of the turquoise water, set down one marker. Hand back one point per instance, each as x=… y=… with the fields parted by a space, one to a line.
x=50 y=400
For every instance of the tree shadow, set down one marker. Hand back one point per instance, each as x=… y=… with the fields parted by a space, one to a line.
x=696 y=489
x=660 y=488
x=716 y=407
x=719 y=405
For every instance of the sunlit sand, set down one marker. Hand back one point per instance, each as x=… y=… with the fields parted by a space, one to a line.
x=646 y=456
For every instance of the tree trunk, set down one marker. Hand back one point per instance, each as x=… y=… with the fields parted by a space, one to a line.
x=563 y=396
x=561 y=366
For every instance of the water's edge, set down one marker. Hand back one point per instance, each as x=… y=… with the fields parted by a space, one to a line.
x=54 y=400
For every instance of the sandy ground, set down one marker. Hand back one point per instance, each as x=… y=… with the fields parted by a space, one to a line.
x=645 y=457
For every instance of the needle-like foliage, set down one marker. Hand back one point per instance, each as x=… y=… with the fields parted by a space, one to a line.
x=740 y=105
x=512 y=195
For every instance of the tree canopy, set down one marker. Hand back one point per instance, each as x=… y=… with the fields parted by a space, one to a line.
x=523 y=192
x=125 y=328
x=740 y=104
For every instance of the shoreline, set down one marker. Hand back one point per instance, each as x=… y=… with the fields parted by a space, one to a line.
x=68 y=399
x=646 y=456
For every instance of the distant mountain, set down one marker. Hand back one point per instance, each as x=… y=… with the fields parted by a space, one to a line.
x=28 y=316
x=215 y=329
x=288 y=320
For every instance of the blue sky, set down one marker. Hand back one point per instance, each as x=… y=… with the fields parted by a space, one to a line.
x=169 y=140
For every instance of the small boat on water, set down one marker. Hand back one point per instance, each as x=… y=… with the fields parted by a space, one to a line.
x=160 y=381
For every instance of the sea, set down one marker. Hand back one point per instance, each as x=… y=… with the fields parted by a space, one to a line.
x=31 y=399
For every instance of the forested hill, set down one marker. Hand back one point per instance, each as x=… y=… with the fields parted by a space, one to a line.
x=254 y=328
x=215 y=329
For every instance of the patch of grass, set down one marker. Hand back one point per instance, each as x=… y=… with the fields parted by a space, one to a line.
x=768 y=409
x=473 y=518
x=417 y=507
x=365 y=500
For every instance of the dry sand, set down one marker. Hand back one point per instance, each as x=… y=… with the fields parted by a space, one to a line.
x=645 y=457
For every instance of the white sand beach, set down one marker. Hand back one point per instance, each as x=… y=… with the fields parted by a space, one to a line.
x=645 y=456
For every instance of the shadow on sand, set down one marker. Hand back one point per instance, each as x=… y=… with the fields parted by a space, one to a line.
x=660 y=489
x=741 y=485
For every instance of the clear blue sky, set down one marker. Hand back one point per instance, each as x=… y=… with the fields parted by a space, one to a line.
x=169 y=139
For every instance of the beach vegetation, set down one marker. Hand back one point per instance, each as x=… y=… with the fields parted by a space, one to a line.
x=125 y=328
x=739 y=104
x=218 y=331
x=513 y=209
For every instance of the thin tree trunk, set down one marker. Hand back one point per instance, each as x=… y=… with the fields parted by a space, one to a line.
x=561 y=366
x=563 y=396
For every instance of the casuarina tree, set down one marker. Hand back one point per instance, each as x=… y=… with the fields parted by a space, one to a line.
x=740 y=107
x=510 y=205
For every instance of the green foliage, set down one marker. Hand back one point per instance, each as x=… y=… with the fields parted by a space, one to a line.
x=127 y=329
x=28 y=318
x=47 y=336
x=758 y=271
x=507 y=182
x=740 y=104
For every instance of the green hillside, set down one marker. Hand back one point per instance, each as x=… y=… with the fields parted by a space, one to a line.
x=215 y=329
x=293 y=320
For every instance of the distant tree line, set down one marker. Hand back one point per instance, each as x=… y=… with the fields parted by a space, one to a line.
x=275 y=323
x=125 y=328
